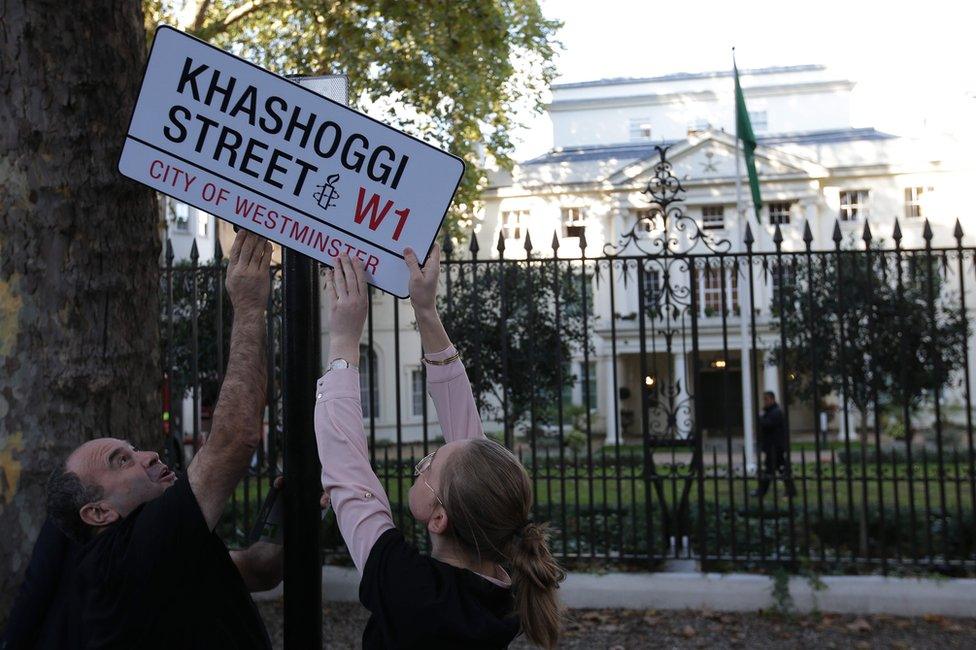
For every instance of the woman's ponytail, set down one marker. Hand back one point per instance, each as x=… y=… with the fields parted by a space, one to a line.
x=487 y=495
x=535 y=579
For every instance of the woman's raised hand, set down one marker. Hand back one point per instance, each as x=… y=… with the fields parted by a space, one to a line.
x=347 y=296
x=423 y=281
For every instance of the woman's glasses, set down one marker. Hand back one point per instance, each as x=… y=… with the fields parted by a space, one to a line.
x=422 y=466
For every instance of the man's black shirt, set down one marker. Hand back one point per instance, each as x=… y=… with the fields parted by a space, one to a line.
x=772 y=428
x=45 y=614
x=160 y=578
x=419 y=602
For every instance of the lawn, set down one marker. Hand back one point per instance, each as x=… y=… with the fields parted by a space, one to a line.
x=607 y=510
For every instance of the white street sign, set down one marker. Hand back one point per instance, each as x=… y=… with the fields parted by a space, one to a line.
x=235 y=140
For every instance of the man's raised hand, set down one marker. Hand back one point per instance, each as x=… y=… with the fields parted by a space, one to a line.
x=423 y=281
x=248 y=280
x=346 y=296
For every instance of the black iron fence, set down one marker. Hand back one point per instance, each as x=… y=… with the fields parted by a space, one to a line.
x=630 y=385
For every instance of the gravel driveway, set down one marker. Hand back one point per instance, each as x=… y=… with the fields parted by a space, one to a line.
x=627 y=629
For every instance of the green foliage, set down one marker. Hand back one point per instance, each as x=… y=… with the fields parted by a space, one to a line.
x=780 y=591
x=178 y=350
x=575 y=440
x=452 y=73
x=868 y=327
x=504 y=324
x=211 y=351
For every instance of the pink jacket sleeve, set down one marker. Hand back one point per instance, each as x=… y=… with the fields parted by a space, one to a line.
x=451 y=391
x=360 y=503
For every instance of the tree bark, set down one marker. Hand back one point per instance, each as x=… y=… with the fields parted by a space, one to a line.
x=79 y=252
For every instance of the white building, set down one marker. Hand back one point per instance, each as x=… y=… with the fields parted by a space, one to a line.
x=814 y=167
x=185 y=224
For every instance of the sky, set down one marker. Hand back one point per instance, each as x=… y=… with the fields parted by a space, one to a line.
x=914 y=63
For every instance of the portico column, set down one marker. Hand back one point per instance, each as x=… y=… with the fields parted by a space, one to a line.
x=611 y=410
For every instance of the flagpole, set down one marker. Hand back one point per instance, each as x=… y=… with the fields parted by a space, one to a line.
x=745 y=349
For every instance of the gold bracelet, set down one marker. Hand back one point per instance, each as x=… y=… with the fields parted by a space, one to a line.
x=451 y=359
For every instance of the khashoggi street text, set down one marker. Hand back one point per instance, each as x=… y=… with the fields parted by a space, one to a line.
x=320 y=138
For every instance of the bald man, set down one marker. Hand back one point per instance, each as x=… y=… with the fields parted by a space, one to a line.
x=151 y=573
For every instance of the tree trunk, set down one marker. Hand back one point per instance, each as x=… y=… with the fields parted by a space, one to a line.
x=79 y=250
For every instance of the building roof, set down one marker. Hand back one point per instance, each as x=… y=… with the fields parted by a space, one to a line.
x=686 y=76
x=638 y=150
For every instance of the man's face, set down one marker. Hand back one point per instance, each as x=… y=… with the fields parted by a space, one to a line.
x=128 y=477
x=768 y=400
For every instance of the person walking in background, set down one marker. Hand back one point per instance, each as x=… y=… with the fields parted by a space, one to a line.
x=490 y=574
x=773 y=443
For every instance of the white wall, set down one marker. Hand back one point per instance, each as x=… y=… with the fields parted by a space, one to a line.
x=601 y=114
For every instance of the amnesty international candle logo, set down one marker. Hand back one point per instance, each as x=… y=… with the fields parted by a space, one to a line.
x=327 y=194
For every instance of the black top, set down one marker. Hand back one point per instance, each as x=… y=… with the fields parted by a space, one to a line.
x=772 y=427
x=160 y=578
x=45 y=613
x=419 y=602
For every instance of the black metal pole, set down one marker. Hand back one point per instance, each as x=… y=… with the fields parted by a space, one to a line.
x=302 y=561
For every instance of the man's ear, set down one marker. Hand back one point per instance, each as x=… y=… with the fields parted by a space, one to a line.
x=98 y=514
x=438 y=522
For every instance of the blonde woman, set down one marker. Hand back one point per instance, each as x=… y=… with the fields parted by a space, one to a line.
x=490 y=575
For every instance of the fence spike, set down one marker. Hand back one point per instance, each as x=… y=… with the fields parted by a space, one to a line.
x=927 y=232
x=474 y=247
x=169 y=251
x=896 y=234
x=448 y=244
x=957 y=231
x=777 y=236
x=500 y=247
x=218 y=251
x=749 y=239
x=837 y=234
x=582 y=239
x=807 y=234
x=555 y=242
x=194 y=253
x=528 y=243
x=866 y=234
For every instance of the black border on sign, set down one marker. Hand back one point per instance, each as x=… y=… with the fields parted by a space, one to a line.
x=145 y=67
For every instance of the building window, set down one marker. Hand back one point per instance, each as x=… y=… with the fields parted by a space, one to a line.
x=713 y=217
x=514 y=223
x=179 y=214
x=853 y=205
x=779 y=213
x=652 y=289
x=789 y=284
x=367 y=369
x=759 y=121
x=203 y=224
x=574 y=222
x=913 y=201
x=711 y=291
x=645 y=220
x=417 y=391
x=588 y=392
x=640 y=129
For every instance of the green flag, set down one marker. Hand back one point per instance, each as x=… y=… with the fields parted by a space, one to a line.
x=743 y=130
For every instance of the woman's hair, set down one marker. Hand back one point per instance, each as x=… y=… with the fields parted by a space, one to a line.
x=488 y=498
